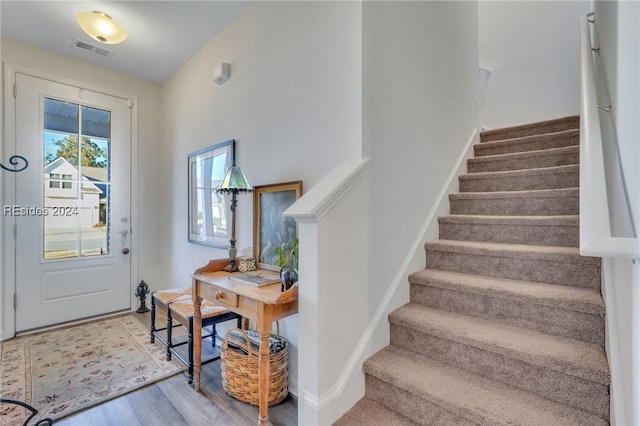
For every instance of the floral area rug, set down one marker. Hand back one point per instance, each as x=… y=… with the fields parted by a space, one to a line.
x=63 y=371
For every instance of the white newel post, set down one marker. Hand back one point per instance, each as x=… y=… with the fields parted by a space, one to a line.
x=333 y=246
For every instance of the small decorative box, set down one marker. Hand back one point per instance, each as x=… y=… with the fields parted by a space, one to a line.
x=246 y=264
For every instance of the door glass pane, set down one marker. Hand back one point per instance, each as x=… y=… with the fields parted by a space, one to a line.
x=60 y=179
x=93 y=231
x=76 y=180
x=61 y=224
x=96 y=171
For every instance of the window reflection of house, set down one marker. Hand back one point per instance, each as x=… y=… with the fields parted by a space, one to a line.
x=99 y=176
x=60 y=181
x=61 y=189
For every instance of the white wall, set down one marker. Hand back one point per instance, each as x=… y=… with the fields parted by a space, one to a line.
x=531 y=49
x=293 y=104
x=618 y=31
x=151 y=254
x=418 y=112
x=420 y=62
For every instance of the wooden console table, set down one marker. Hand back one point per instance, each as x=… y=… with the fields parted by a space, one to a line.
x=261 y=304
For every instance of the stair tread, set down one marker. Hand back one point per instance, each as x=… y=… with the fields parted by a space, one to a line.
x=555 y=170
x=571 y=119
x=551 y=253
x=557 y=296
x=532 y=193
x=560 y=220
x=526 y=154
x=544 y=149
x=369 y=412
x=527 y=139
x=476 y=398
x=570 y=356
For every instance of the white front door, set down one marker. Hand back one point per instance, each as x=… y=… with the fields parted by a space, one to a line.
x=72 y=204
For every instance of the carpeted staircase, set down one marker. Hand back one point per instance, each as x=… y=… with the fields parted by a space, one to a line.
x=506 y=323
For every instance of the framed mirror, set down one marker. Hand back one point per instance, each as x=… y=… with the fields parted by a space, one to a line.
x=209 y=212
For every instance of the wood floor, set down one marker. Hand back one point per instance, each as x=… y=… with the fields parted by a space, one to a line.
x=173 y=402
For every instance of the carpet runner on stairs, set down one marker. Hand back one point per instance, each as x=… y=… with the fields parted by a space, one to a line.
x=505 y=325
x=525 y=160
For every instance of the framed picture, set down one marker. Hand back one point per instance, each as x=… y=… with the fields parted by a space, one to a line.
x=270 y=228
x=209 y=212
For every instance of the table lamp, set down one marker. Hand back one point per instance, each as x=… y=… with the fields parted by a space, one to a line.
x=234 y=182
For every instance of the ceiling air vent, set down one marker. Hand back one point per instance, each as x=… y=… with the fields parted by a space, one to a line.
x=88 y=47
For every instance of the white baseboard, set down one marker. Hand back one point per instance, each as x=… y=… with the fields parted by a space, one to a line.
x=335 y=394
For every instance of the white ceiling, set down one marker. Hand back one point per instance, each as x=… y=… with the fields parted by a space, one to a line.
x=162 y=35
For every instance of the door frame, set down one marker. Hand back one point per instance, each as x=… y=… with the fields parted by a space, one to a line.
x=8 y=195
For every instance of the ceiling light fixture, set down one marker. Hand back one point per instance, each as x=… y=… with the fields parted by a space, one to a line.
x=100 y=26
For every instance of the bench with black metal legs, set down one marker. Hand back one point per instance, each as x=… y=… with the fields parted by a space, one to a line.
x=178 y=306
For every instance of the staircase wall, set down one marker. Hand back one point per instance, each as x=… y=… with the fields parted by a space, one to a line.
x=534 y=67
x=420 y=62
x=617 y=31
x=332 y=285
x=419 y=84
x=418 y=112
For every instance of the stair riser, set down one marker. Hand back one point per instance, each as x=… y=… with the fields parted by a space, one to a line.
x=482 y=150
x=530 y=130
x=502 y=165
x=522 y=313
x=577 y=274
x=539 y=206
x=411 y=405
x=554 y=385
x=523 y=182
x=550 y=235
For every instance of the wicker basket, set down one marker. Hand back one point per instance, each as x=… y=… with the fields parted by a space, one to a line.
x=240 y=370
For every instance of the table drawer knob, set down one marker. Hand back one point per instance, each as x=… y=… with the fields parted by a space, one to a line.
x=221 y=296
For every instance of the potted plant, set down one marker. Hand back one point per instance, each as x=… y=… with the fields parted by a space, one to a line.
x=287 y=260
